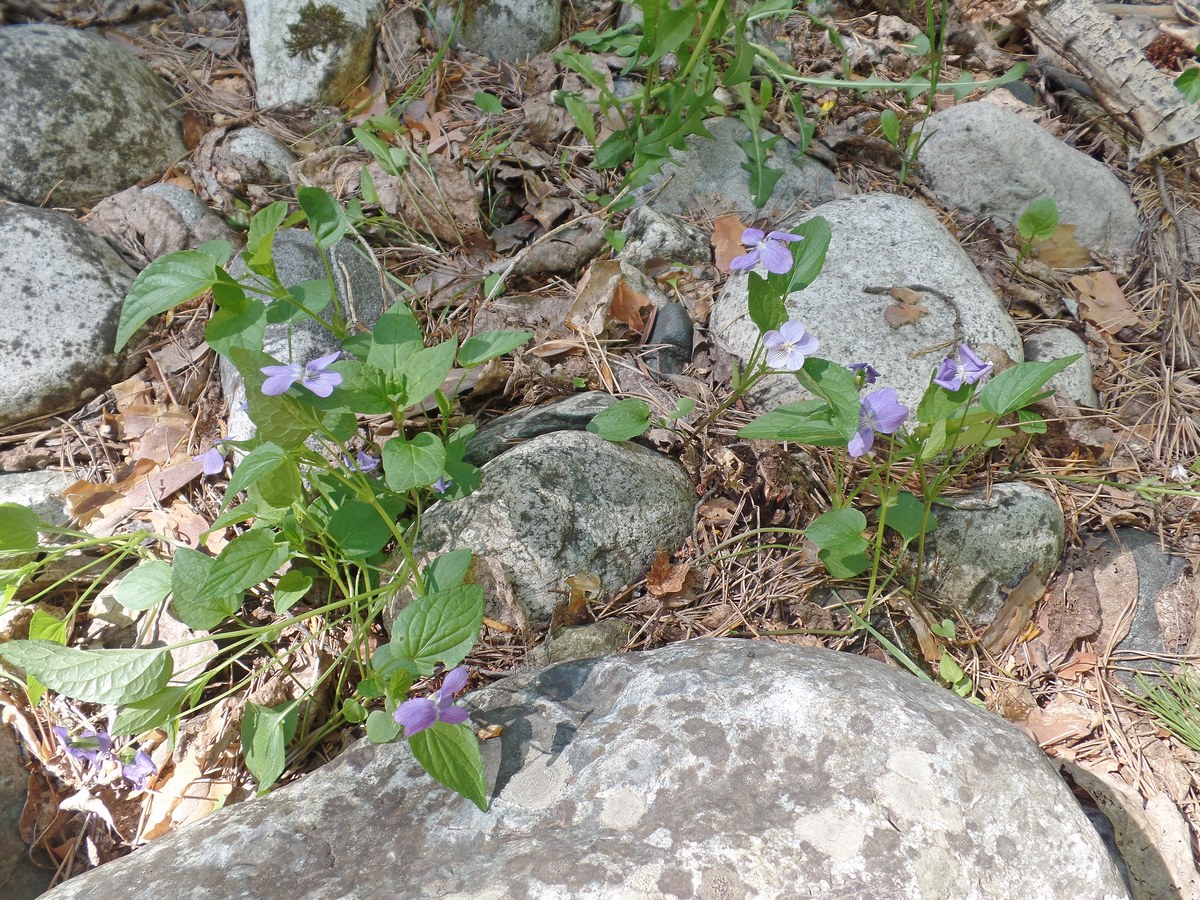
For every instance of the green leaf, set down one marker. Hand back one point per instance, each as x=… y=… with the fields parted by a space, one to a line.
x=189 y=571
x=326 y=220
x=615 y=150
x=308 y=299
x=266 y=732
x=809 y=254
x=144 y=586
x=938 y=404
x=163 y=285
x=155 y=711
x=836 y=385
x=622 y=421
x=247 y=560
x=764 y=299
x=904 y=516
x=1019 y=386
x=423 y=372
x=944 y=629
x=45 y=627
x=292 y=587
x=92 y=676
x=581 y=116
x=239 y=321
x=18 y=527
x=439 y=627
x=382 y=728
x=413 y=464
x=358 y=529
x=839 y=535
x=353 y=711
x=1039 y=220
x=395 y=337
x=258 y=463
x=1188 y=84
x=281 y=487
x=805 y=422
x=447 y=571
x=489 y=104
x=889 y=123
x=1031 y=422
x=490 y=345
x=450 y=754
x=261 y=237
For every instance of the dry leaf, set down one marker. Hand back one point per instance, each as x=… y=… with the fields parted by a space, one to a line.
x=907 y=310
x=666 y=578
x=1082 y=663
x=1014 y=614
x=1061 y=250
x=181 y=797
x=1103 y=303
x=630 y=307
x=1061 y=720
x=581 y=587
x=727 y=241
x=435 y=196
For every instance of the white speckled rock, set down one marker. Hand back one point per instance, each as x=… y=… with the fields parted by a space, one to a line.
x=880 y=240
x=985 y=160
x=256 y=156
x=324 y=70
x=559 y=504
x=502 y=29
x=1076 y=380
x=61 y=290
x=719 y=768
x=39 y=490
x=79 y=116
x=984 y=543
x=708 y=177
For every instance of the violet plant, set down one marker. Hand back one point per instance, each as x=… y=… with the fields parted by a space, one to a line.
x=326 y=510
x=895 y=462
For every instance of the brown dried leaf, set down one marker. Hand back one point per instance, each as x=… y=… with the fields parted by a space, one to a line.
x=727 y=241
x=1061 y=250
x=908 y=308
x=666 y=578
x=183 y=796
x=1103 y=303
x=1061 y=720
x=581 y=587
x=435 y=196
x=630 y=307
x=1014 y=614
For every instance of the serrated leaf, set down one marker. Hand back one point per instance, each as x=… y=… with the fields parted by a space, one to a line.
x=804 y=422
x=490 y=345
x=266 y=732
x=163 y=285
x=145 y=586
x=247 y=560
x=326 y=219
x=413 y=464
x=93 y=676
x=440 y=627
x=1019 y=386
x=18 y=527
x=622 y=421
x=450 y=754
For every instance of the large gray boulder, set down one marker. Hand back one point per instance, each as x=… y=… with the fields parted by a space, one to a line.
x=502 y=29
x=985 y=160
x=719 y=768
x=880 y=240
x=558 y=505
x=79 y=117
x=61 y=291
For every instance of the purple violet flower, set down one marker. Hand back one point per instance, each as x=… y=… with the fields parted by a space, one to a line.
x=212 y=459
x=417 y=715
x=88 y=747
x=864 y=374
x=967 y=369
x=443 y=484
x=768 y=250
x=787 y=347
x=879 y=411
x=314 y=375
x=363 y=461
x=138 y=772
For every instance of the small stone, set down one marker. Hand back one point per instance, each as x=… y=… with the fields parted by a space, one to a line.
x=582 y=642
x=256 y=156
x=1075 y=381
x=651 y=236
x=511 y=429
x=673 y=330
x=708 y=176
